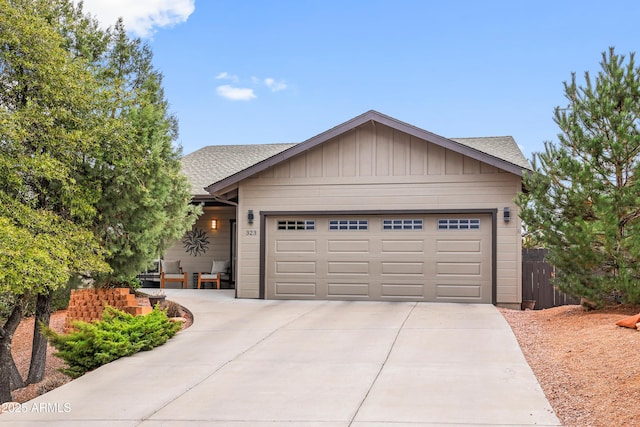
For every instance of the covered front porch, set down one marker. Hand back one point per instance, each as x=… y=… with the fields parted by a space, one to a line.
x=212 y=238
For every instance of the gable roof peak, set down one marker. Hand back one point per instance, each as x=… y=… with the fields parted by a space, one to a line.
x=501 y=152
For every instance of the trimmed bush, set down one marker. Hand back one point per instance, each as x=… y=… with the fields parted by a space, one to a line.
x=172 y=309
x=118 y=334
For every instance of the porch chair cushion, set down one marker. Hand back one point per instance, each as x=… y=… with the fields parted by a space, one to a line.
x=219 y=267
x=211 y=278
x=171 y=267
x=173 y=276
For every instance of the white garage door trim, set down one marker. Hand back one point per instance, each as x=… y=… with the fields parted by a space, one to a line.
x=267 y=215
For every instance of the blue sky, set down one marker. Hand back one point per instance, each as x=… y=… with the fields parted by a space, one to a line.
x=244 y=72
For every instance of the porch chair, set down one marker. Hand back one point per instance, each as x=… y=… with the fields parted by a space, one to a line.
x=218 y=268
x=170 y=271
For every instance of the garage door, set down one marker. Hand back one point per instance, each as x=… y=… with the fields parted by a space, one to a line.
x=374 y=257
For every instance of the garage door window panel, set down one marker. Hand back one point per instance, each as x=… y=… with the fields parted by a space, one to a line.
x=307 y=224
x=348 y=224
x=459 y=224
x=402 y=224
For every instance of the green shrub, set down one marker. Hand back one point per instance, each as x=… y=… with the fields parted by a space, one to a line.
x=62 y=295
x=131 y=283
x=118 y=334
x=7 y=299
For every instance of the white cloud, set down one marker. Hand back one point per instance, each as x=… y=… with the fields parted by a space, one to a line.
x=141 y=17
x=226 y=76
x=274 y=85
x=235 y=93
x=246 y=94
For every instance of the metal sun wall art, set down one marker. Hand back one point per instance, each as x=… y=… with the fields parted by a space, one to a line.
x=196 y=242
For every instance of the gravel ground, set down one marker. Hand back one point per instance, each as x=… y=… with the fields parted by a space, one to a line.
x=21 y=350
x=586 y=365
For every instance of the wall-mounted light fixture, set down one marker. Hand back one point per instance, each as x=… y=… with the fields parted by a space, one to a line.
x=506 y=214
x=250 y=216
x=214 y=224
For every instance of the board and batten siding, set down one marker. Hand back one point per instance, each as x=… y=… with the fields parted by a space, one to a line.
x=375 y=167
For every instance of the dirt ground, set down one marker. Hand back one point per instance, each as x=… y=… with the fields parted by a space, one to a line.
x=21 y=350
x=587 y=366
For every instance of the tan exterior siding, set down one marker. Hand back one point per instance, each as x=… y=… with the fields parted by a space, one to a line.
x=219 y=242
x=375 y=167
x=248 y=250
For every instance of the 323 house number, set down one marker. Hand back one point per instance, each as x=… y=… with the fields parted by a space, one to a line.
x=251 y=232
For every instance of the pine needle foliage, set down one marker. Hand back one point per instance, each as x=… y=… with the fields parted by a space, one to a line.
x=582 y=200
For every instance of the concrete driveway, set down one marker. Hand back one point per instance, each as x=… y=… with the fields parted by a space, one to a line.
x=310 y=363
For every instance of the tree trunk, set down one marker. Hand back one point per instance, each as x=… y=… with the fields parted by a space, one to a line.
x=6 y=359
x=16 y=380
x=39 y=347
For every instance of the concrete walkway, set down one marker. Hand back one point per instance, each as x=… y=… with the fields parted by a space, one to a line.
x=310 y=363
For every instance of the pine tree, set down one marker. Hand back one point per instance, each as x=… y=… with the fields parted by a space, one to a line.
x=582 y=200
x=144 y=197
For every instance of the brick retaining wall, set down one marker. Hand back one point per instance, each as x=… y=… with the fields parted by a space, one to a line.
x=87 y=305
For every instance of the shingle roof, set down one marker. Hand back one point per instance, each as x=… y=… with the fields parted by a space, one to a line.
x=216 y=162
x=501 y=147
x=217 y=166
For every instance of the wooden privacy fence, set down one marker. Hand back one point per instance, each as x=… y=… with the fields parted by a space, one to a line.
x=536 y=281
